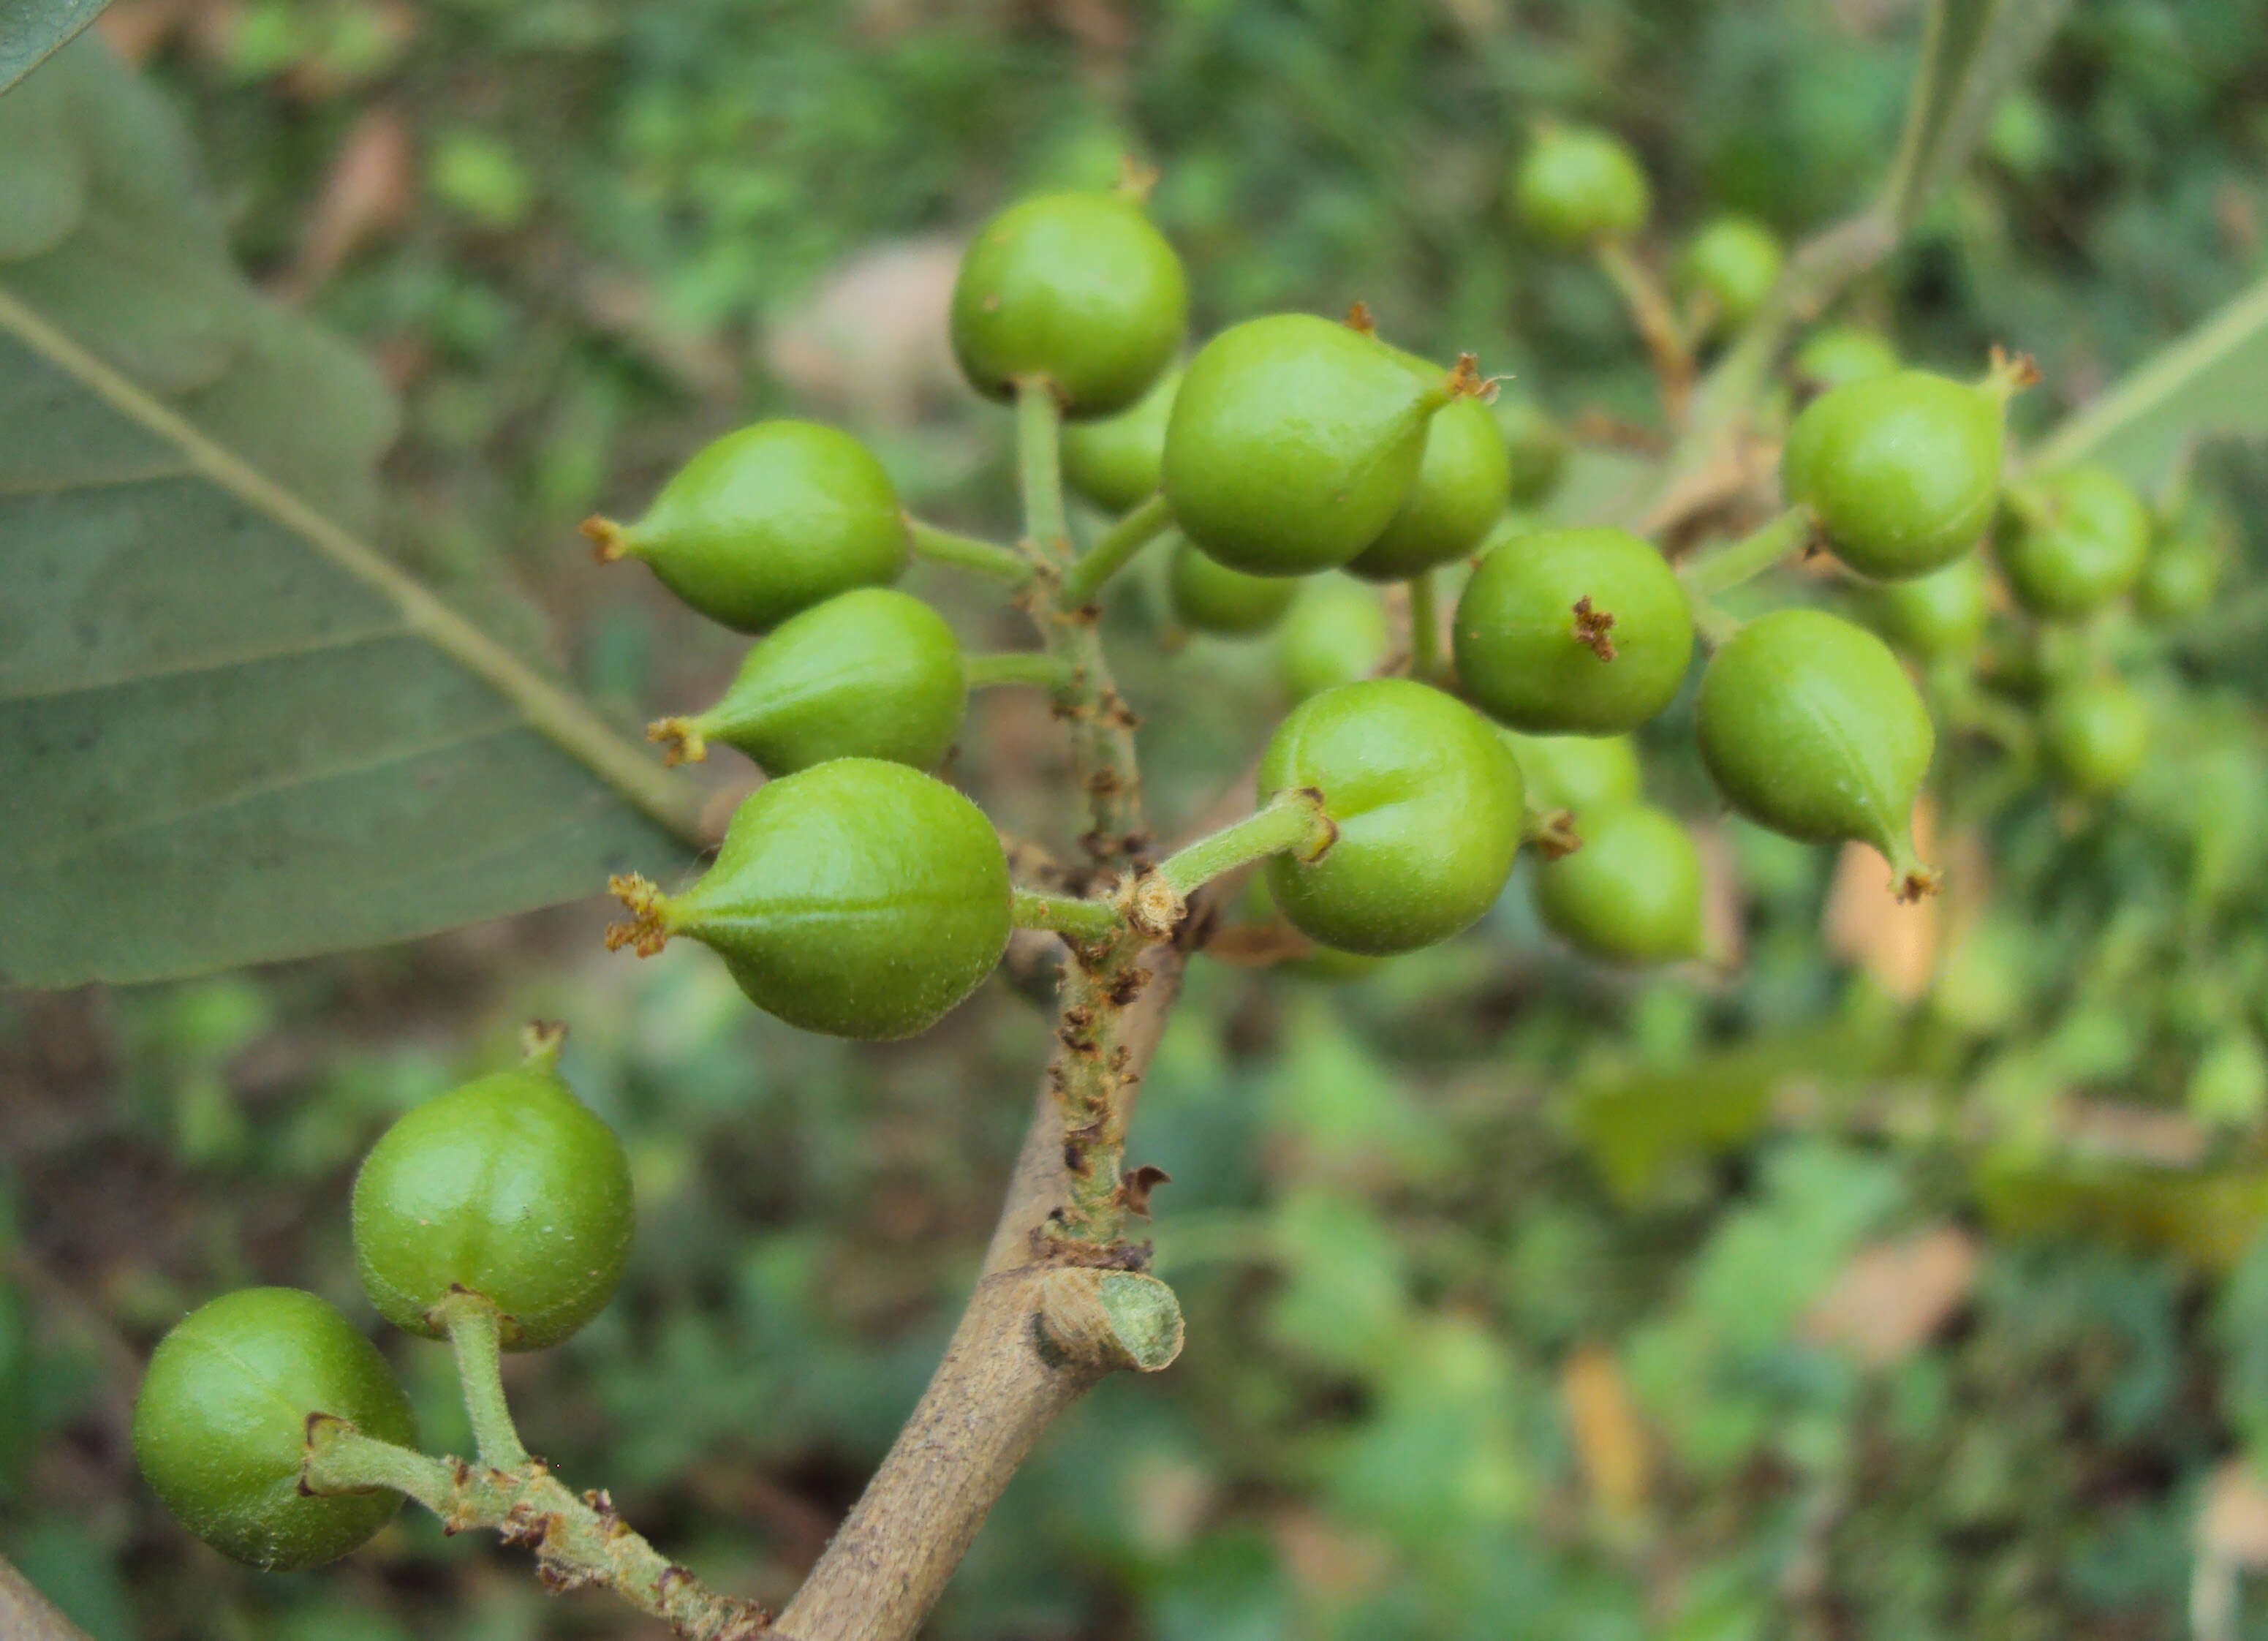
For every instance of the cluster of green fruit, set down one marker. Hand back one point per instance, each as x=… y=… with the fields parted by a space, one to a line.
x=506 y=1202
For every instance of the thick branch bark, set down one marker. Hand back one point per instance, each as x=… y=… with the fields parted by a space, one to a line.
x=25 y=1614
x=1001 y=1383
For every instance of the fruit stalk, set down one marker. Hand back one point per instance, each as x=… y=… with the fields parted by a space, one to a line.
x=1291 y=822
x=1039 y=468
x=475 y=1338
x=1424 y=629
x=1656 y=320
x=968 y=552
x=1113 y=550
x=1726 y=565
x=1065 y=915
x=1016 y=666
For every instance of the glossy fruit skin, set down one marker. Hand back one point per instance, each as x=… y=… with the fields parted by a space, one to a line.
x=1731 y=264
x=1576 y=186
x=220 y=1426
x=2180 y=579
x=1077 y=288
x=1904 y=470
x=1114 y=461
x=1942 y=613
x=1843 y=353
x=1464 y=481
x=771 y=519
x=870 y=673
x=1810 y=727
x=1536 y=448
x=1516 y=645
x=2097 y=731
x=1334 y=634
x=1576 y=773
x=509 y=1188
x=1631 y=893
x=1211 y=598
x=1429 y=807
x=857 y=898
x=1293 y=442
x=2071 y=541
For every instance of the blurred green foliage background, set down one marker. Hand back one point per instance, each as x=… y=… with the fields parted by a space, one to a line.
x=1899 y=1282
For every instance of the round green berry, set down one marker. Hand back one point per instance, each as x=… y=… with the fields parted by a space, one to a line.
x=508 y=1187
x=870 y=673
x=1334 y=634
x=1114 y=461
x=1902 y=470
x=2097 y=731
x=857 y=898
x=1582 y=631
x=1293 y=442
x=2071 y=541
x=1464 y=481
x=1428 y=804
x=1078 y=290
x=1322 y=964
x=766 y=521
x=1575 y=771
x=1631 y=893
x=1576 y=186
x=220 y=1428
x=1210 y=597
x=1843 y=353
x=1536 y=448
x=2179 y=578
x=1942 y=613
x=1810 y=727
x=1729 y=269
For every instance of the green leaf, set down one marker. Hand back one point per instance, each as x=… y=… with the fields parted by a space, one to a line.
x=231 y=730
x=31 y=30
x=1973 y=51
x=2205 y=386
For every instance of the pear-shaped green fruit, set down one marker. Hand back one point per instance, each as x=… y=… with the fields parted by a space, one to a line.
x=1942 y=613
x=1293 y=442
x=1076 y=289
x=766 y=521
x=1810 y=727
x=1575 y=771
x=1728 y=267
x=2180 y=579
x=1576 y=186
x=509 y=1188
x=1631 y=893
x=1841 y=353
x=2097 y=731
x=2070 y=542
x=1534 y=445
x=220 y=1428
x=1211 y=598
x=1334 y=634
x=1114 y=461
x=1902 y=470
x=1462 y=485
x=857 y=898
x=1429 y=808
x=1582 y=631
x=870 y=673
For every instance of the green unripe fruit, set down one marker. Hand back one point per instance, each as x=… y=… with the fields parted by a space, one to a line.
x=1902 y=470
x=2180 y=579
x=1428 y=804
x=1293 y=442
x=1464 y=481
x=857 y=898
x=1334 y=634
x=1844 y=353
x=1078 y=289
x=1575 y=771
x=1576 y=186
x=1114 y=462
x=509 y=1188
x=1535 y=446
x=220 y=1428
x=766 y=521
x=1582 y=631
x=2071 y=541
x=1731 y=266
x=1942 y=613
x=2097 y=731
x=1210 y=597
x=1322 y=964
x=1809 y=725
x=1631 y=893
x=870 y=673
